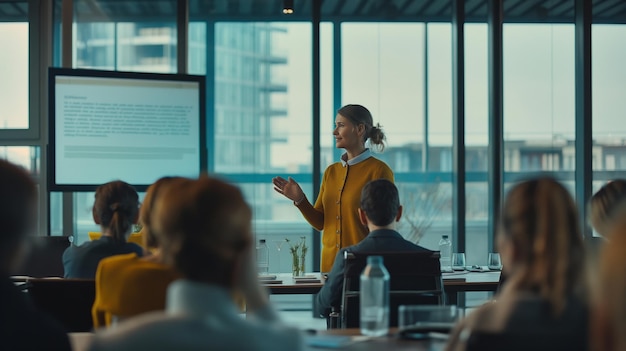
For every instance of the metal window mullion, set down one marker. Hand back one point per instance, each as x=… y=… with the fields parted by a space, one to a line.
x=496 y=142
x=182 y=35
x=458 y=124
x=583 y=144
x=316 y=178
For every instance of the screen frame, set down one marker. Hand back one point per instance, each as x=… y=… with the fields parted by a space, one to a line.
x=54 y=72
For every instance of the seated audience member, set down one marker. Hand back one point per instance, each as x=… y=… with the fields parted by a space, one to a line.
x=608 y=324
x=127 y=285
x=115 y=209
x=379 y=210
x=607 y=206
x=542 y=251
x=204 y=227
x=23 y=327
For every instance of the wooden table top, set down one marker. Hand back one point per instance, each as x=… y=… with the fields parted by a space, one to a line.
x=285 y=283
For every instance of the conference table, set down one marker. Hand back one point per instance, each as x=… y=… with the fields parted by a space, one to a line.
x=358 y=342
x=453 y=283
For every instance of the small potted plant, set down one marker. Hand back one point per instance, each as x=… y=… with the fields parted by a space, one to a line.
x=298 y=256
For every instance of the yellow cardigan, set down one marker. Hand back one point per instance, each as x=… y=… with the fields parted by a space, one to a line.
x=335 y=210
x=127 y=285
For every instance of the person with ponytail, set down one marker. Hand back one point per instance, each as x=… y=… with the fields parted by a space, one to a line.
x=116 y=209
x=335 y=210
x=128 y=285
x=542 y=251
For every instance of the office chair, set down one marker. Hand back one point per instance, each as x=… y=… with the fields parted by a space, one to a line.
x=415 y=279
x=44 y=257
x=69 y=301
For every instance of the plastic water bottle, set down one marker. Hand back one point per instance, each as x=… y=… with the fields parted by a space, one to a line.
x=374 y=298
x=445 y=250
x=262 y=257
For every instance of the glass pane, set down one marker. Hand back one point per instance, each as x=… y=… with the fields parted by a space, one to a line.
x=262 y=98
x=114 y=36
x=476 y=140
x=197 y=48
x=14 y=73
x=25 y=156
x=392 y=86
x=609 y=102
x=539 y=106
x=262 y=120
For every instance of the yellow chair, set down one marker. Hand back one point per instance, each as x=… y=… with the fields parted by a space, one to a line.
x=136 y=238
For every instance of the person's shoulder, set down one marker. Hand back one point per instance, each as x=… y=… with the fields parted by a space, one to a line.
x=150 y=330
x=334 y=166
x=378 y=164
x=25 y=328
x=418 y=247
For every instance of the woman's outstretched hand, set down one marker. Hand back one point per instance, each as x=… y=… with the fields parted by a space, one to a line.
x=289 y=188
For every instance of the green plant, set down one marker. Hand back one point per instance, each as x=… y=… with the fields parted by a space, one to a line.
x=298 y=255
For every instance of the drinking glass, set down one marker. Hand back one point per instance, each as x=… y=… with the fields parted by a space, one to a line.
x=458 y=261
x=419 y=321
x=494 y=262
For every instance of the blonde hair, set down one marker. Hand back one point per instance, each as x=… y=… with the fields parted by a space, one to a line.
x=540 y=218
x=606 y=205
x=610 y=292
x=204 y=226
x=359 y=114
x=147 y=207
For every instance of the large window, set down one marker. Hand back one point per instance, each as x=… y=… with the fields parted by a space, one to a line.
x=261 y=120
x=394 y=60
x=539 y=99
x=415 y=113
x=476 y=141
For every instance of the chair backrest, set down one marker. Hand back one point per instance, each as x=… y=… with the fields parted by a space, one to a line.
x=415 y=279
x=544 y=341
x=44 y=257
x=69 y=301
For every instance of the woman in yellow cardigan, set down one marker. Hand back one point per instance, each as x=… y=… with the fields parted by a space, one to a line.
x=128 y=285
x=335 y=210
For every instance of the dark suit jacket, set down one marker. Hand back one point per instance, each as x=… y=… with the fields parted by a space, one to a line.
x=383 y=240
x=25 y=328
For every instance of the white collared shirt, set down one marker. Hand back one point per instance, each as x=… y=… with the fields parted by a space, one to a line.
x=351 y=162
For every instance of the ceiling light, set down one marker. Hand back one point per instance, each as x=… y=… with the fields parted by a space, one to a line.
x=287 y=7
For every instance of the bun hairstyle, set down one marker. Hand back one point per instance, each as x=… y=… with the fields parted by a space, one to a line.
x=116 y=208
x=360 y=115
x=606 y=205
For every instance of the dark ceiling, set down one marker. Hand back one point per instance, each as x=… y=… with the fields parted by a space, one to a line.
x=526 y=11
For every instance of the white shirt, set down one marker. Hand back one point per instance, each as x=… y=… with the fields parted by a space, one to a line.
x=200 y=317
